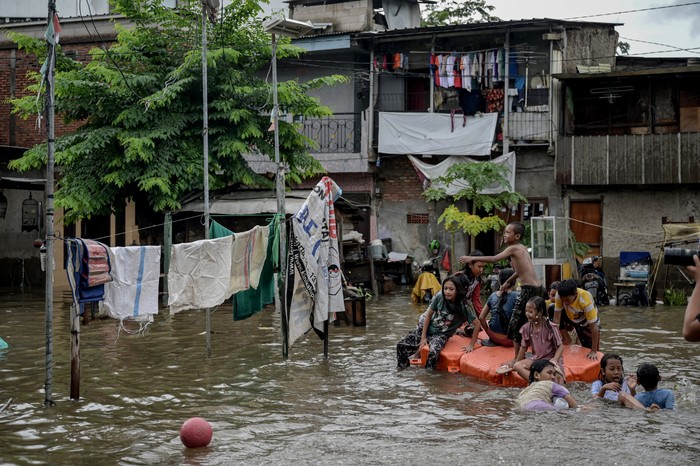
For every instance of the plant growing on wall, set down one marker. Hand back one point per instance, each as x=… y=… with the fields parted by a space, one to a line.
x=476 y=177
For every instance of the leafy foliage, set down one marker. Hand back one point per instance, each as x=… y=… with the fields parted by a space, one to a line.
x=623 y=48
x=446 y=12
x=474 y=177
x=139 y=106
x=675 y=297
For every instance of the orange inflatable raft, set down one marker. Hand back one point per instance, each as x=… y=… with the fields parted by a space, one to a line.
x=484 y=360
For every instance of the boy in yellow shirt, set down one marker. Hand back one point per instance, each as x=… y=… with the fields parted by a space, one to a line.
x=580 y=313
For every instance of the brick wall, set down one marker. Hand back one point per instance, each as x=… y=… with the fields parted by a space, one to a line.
x=14 y=67
x=398 y=180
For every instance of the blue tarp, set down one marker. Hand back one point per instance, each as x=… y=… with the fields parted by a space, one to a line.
x=630 y=257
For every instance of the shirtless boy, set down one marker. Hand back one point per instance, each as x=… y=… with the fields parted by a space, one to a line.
x=530 y=286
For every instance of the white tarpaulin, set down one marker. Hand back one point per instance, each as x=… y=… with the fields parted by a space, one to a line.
x=431 y=172
x=436 y=133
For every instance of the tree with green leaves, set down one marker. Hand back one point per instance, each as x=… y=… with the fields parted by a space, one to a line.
x=139 y=107
x=474 y=178
x=446 y=12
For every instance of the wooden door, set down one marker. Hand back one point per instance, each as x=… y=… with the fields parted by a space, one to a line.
x=586 y=223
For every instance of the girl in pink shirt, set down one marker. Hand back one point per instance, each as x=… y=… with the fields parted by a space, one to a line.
x=544 y=338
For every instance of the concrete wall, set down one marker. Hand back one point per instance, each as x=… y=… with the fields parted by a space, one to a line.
x=534 y=178
x=632 y=221
x=345 y=17
x=339 y=98
x=589 y=46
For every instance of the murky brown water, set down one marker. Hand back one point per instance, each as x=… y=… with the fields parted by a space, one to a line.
x=354 y=408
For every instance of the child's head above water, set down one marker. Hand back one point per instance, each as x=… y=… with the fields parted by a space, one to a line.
x=648 y=376
x=542 y=369
x=611 y=369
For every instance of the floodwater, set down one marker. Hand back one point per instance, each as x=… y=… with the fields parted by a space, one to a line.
x=353 y=408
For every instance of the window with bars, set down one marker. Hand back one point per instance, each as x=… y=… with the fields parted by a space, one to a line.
x=421 y=219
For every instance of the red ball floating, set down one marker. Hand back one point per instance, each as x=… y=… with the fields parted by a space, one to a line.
x=195 y=432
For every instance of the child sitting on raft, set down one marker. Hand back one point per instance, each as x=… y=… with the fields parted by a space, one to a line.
x=612 y=385
x=470 y=278
x=541 y=393
x=446 y=313
x=544 y=338
x=500 y=304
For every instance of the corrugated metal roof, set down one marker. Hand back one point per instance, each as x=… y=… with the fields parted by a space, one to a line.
x=538 y=23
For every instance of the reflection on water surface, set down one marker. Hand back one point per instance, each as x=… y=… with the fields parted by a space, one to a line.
x=354 y=408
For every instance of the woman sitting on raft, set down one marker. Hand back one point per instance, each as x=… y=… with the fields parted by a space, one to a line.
x=444 y=316
x=501 y=305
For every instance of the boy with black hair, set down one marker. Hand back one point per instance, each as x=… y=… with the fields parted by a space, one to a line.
x=530 y=286
x=648 y=377
x=580 y=312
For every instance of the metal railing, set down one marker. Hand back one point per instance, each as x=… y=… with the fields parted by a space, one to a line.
x=339 y=133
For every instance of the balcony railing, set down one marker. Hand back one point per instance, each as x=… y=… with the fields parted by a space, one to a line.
x=339 y=133
x=628 y=159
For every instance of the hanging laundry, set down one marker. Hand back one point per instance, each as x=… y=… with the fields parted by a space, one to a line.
x=88 y=268
x=253 y=300
x=133 y=294
x=199 y=274
x=396 y=61
x=457 y=73
x=466 y=66
x=247 y=258
x=449 y=71
x=314 y=286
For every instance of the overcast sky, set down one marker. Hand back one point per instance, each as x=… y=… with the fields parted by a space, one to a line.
x=675 y=27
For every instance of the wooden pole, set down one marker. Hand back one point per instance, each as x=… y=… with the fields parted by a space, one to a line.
x=167 y=250
x=75 y=351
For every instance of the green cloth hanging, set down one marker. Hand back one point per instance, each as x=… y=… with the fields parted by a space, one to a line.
x=251 y=301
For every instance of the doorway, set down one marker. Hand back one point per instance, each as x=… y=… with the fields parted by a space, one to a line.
x=586 y=223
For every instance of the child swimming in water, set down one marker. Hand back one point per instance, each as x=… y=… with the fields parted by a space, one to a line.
x=543 y=391
x=652 y=396
x=612 y=384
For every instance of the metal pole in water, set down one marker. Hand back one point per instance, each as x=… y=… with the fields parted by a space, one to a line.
x=48 y=383
x=281 y=209
x=205 y=134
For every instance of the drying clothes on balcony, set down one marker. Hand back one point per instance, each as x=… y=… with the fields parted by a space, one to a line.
x=133 y=294
x=430 y=172
x=431 y=133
